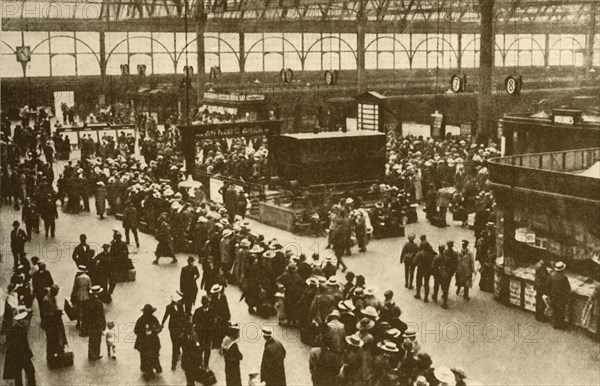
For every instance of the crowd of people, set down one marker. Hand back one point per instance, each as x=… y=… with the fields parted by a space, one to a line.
x=357 y=338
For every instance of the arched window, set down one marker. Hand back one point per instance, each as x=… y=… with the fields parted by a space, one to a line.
x=63 y=65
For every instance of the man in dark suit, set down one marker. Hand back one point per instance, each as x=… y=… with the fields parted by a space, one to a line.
x=130 y=222
x=42 y=280
x=95 y=323
x=18 y=355
x=272 y=368
x=188 y=286
x=304 y=269
x=49 y=214
x=18 y=237
x=177 y=320
x=204 y=324
x=102 y=268
x=30 y=217
x=218 y=302
x=82 y=252
x=559 y=290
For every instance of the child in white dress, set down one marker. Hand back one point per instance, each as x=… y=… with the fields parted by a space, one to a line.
x=111 y=344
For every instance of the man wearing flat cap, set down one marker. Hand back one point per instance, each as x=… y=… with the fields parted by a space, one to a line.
x=465 y=271
x=409 y=250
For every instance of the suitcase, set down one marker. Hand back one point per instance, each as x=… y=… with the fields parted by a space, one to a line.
x=206 y=377
x=58 y=361
x=131 y=275
x=70 y=310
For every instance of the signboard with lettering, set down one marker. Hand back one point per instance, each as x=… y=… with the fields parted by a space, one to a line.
x=438 y=129
x=566 y=116
x=514 y=292
x=529 y=295
x=233 y=130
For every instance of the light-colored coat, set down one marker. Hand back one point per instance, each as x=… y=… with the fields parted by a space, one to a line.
x=100 y=197
x=81 y=288
x=466 y=269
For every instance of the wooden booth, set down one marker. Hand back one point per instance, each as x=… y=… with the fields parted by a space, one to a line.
x=329 y=157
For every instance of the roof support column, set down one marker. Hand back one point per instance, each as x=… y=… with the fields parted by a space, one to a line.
x=360 y=48
x=486 y=66
x=102 y=61
x=589 y=42
x=200 y=60
x=242 y=56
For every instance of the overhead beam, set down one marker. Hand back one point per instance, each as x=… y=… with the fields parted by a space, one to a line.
x=257 y=26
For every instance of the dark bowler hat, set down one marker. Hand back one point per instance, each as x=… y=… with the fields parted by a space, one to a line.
x=148 y=309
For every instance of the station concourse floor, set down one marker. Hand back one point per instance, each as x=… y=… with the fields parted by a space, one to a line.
x=495 y=344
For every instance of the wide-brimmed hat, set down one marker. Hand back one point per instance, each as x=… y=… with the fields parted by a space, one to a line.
x=216 y=288
x=346 y=305
x=379 y=205
x=21 y=315
x=559 y=266
x=370 y=312
x=409 y=333
x=100 y=183
x=393 y=332
x=232 y=329
x=256 y=249
x=202 y=219
x=332 y=281
x=267 y=332
x=312 y=281
x=245 y=243
x=95 y=290
x=227 y=232
x=369 y=292
x=421 y=381
x=445 y=375
x=354 y=340
x=81 y=268
x=148 y=309
x=359 y=292
x=388 y=346
x=335 y=314
x=365 y=324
